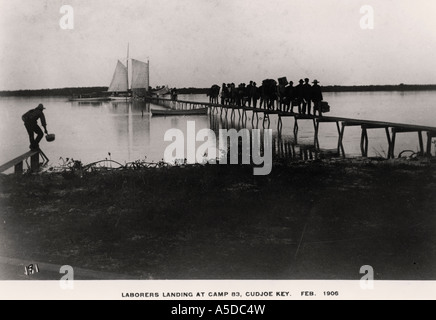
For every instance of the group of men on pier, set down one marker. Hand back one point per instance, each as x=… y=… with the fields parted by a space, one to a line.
x=278 y=95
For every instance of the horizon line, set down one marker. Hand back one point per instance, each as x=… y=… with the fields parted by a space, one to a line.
x=330 y=85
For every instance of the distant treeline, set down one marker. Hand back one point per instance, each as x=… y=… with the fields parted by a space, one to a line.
x=52 y=92
x=192 y=90
x=400 y=87
x=68 y=92
x=88 y=90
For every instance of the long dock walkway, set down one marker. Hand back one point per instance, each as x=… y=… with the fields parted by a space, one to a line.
x=391 y=129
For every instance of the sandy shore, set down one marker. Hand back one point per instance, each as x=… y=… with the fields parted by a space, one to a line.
x=317 y=220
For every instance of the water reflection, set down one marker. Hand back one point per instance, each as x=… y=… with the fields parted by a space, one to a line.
x=284 y=146
x=131 y=122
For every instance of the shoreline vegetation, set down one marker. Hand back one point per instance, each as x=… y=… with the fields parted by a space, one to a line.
x=62 y=92
x=306 y=220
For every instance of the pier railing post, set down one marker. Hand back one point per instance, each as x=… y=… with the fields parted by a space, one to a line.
x=18 y=168
x=364 y=142
x=394 y=138
x=279 y=124
x=421 y=143
x=430 y=135
x=34 y=162
x=316 y=138
x=388 y=136
x=339 y=135
x=341 y=139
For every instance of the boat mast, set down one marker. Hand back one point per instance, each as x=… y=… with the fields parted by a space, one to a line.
x=127 y=62
x=148 y=74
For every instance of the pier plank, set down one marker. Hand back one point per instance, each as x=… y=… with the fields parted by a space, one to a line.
x=16 y=162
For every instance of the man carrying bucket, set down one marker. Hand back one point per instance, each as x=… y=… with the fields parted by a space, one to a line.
x=30 y=119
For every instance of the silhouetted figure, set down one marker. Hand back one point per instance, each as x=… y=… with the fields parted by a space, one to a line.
x=281 y=93
x=298 y=93
x=255 y=94
x=289 y=97
x=213 y=93
x=260 y=89
x=174 y=94
x=307 y=96
x=249 y=93
x=224 y=94
x=317 y=98
x=233 y=93
x=30 y=119
x=269 y=93
x=241 y=98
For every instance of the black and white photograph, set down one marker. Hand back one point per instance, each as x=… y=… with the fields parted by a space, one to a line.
x=215 y=149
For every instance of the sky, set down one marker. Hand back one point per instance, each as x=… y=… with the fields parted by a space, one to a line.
x=198 y=43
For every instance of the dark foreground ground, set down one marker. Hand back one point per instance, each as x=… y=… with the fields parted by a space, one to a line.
x=319 y=220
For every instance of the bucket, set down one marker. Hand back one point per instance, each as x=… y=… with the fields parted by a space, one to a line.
x=50 y=137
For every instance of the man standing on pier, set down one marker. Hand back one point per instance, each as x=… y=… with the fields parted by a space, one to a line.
x=30 y=119
x=307 y=96
x=298 y=93
x=317 y=98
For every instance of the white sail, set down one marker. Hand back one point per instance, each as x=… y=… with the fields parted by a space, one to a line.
x=139 y=75
x=119 y=80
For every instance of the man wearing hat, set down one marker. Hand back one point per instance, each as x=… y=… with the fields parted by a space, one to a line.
x=30 y=119
x=316 y=97
x=307 y=96
x=298 y=94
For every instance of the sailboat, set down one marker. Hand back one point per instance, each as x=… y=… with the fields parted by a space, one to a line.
x=119 y=87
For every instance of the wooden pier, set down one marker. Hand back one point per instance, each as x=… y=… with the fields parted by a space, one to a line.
x=18 y=162
x=391 y=129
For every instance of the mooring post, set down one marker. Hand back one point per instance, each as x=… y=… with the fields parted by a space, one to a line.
x=389 y=142
x=18 y=168
x=280 y=147
x=295 y=126
x=339 y=134
x=366 y=142
x=265 y=117
x=274 y=151
x=34 y=162
x=430 y=135
x=294 y=155
x=281 y=123
x=421 y=143
x=362 y=141
x=340 y=140
x=245 y=120
x=394 y=138
x=316 y=138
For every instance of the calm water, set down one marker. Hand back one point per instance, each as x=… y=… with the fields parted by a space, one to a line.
x=88 y=132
